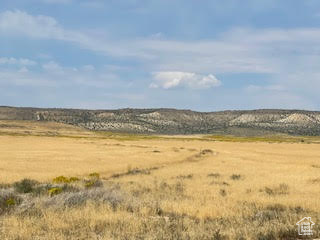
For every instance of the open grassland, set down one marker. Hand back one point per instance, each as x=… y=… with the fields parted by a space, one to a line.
x=121 y=186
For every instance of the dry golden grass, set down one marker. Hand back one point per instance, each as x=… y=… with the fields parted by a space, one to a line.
x=173 y=188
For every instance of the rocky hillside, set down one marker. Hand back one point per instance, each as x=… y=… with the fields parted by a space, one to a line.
x=172 y=121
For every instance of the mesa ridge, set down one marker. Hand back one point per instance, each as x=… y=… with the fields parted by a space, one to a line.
x=173 y=121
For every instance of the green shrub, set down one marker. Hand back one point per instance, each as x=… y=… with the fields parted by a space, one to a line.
x=54 y=191
x=93 y=183
x=8 y=200
x=25 y=186
x=61 y=179
x=94 y=175
x=74 y=179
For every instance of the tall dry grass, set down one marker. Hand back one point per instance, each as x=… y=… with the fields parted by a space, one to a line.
x=157 y=188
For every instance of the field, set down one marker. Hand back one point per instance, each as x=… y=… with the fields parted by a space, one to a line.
x=118 y=186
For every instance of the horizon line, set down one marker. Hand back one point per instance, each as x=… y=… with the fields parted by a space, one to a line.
x=163 y=108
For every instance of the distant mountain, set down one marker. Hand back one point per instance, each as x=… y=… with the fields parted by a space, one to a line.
x=172 y=121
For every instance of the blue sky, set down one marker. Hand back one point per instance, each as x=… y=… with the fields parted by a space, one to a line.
x=203 y=55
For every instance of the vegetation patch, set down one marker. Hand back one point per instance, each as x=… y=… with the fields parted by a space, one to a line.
x=55 y=191
x=65 y=180
x=235 y=177
x=315 y=180
x=222 y=183
x=214 y=175
x=120 y=214
x=94 y=175
x=8 y=200
x=135 y=171
x=93 y=183
x=25 y=186
x=270 y=139
x=188 y=176
x=5 y=185
x=74 y=179
x=61 y=179
x=315 y=166
x=223 y=192
x=282 y=189
x=206 y=151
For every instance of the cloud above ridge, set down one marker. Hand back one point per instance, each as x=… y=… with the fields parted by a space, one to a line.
x=168 y=80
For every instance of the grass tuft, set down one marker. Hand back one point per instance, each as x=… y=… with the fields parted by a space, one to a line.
x=94 y=175
x=282 y=189
x=235 y=177
x=214 y=175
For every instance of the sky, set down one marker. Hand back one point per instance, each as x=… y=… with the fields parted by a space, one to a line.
x=203 y=55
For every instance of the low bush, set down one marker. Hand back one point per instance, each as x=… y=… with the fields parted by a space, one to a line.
x=8 y=200
x=206 y=151
x=290 y=234
x=54 y=191
x=214 y=175
x=94 y=175
x=93 y=183
x=279 y=190
x=76 y=199
x=74 y=179
x=25 y=186
x=235 y=177
x=61 y=179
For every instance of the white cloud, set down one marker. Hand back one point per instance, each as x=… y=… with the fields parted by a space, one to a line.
x=237 y=51
x=15 y=61
x=52 y=67
x=23 y=77
x=18 y=22
x=219 y=55
x=23 y=70
x=56 y=75
x=289 y=57
x=45 y=27
x=167 y=80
